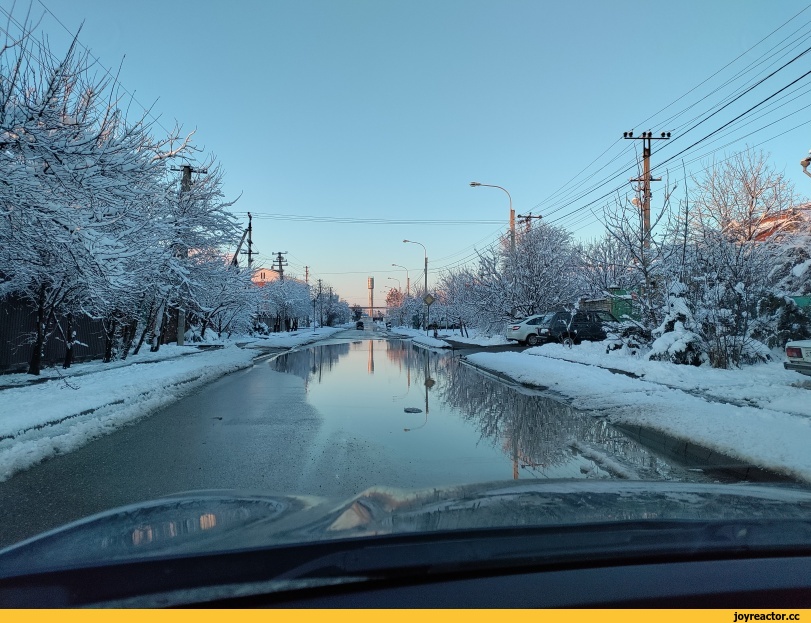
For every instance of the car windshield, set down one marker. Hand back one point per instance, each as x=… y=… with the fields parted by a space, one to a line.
x=263 y=260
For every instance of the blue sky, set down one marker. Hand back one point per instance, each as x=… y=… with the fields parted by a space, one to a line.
x=373 y=109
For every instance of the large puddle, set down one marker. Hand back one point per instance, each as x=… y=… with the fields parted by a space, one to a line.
x=444 y=422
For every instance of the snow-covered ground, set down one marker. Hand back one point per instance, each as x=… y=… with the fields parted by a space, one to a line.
x=760 y=414
x=419 y=337
x=473 y=337
x=65 y=409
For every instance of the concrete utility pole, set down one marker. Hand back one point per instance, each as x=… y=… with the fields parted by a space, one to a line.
x=646 y=179
x=307 y=275
x=281 y=263
x=321 y=303
x=528 y=220
x=185 y=187
x=250 y=241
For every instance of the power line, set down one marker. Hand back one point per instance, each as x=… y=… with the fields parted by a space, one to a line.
x=366 y=221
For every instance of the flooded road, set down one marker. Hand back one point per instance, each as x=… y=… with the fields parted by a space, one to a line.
x=464 y=426
x=331 y=420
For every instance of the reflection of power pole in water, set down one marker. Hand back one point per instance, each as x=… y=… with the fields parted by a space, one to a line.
x=429 y=383
x=515 y=457
x=370 y=361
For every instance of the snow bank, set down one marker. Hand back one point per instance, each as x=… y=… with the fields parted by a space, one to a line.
x=43 y=420
x=766 y=437
x=291 y=339
x=767 y=385
x=418 y=337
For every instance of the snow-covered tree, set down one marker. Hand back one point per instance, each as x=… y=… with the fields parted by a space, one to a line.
x=739 y=209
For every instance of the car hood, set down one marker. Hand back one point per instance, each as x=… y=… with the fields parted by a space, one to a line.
x=217 y=521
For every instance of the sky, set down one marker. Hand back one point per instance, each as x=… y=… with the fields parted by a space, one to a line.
x=347 y=126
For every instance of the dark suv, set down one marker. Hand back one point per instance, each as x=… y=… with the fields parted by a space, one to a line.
x=585 y=325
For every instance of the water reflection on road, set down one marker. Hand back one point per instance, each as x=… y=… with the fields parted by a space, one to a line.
x=464 y=426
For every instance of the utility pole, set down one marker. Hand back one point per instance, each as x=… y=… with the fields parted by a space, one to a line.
x=250 y=241
x=185 y=187
x=307 y=275
x=321 y=303
x=281 y=262
x=528 y=220
x=646 y=178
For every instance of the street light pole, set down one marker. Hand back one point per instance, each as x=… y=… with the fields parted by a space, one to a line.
x=408 y=281
x=426 y=261
x=512 y=212
x=426 y=269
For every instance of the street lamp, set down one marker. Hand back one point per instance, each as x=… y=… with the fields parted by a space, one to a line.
x=512 y=212
x=397 y=280
x=426 y=261
x=426 y=272
x=408 y=281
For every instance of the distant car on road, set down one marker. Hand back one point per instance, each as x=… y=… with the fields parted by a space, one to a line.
x=568 y=329
x=359 y=325
x=798 y=353
x=526 y=330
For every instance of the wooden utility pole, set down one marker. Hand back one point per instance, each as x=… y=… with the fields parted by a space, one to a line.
x=646 y=179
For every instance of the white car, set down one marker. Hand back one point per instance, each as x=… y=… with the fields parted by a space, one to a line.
x=799 y=356
x=526 y=330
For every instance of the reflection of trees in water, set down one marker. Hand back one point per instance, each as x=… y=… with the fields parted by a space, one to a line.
x=310 y=362
x=535 y=430
x=532 y=429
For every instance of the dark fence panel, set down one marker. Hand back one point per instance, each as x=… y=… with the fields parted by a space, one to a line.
x=17 y=324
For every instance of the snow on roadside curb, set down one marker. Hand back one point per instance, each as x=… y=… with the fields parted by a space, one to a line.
x=767 y=438
x=418 y=337
x=45 y=419
x=766 y=385
x=301 y=337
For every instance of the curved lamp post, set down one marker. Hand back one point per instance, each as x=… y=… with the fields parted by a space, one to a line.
x=426 y=272
x=512 y=212
x=408 y=281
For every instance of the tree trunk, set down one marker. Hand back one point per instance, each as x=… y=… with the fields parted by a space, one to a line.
x=109 y=336
x=158 y=330
x=128 y=337
x=147 y=324
x=68 y=337
x=35 y=364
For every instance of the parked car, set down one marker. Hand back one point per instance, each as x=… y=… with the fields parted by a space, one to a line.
x=798 y=353
x=568 y=329
x=359 y=325
x=526 y=330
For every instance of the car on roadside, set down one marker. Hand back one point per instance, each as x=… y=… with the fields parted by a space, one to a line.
x=798 y=353
x=572 y=328
x=526 y=330
x=359 y=325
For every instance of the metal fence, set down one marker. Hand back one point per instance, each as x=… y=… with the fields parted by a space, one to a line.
x=17 y=325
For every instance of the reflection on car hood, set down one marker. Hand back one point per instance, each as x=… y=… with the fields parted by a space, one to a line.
x=209 y=521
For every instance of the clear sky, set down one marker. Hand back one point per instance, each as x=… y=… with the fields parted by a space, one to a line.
x=375 y=109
